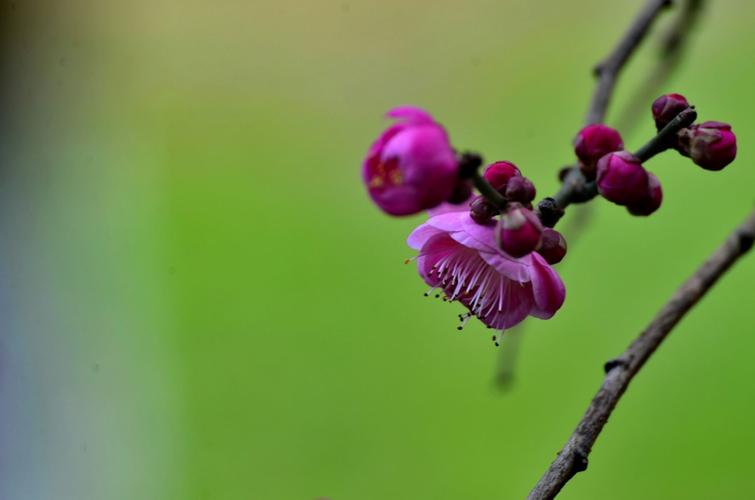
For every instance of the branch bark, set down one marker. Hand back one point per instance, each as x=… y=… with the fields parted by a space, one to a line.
x=609 y=69
x=620 y=371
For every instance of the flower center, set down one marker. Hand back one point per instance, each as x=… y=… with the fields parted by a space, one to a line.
x=386 y=173
x=465 y=277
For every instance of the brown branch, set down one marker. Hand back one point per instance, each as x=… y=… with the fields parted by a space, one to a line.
x=608 y=70
x=619 y=372
x=673 y=47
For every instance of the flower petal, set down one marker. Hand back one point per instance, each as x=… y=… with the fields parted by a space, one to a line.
x=446 y=207
x=548 y=289
x=421 y=235
x=410 y=114
x=518 y=270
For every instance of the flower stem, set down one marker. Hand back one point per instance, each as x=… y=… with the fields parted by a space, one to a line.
x=469 y=168
x=488 y=192
x=662 y=141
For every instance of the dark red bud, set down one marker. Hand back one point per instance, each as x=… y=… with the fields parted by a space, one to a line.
x=481 y=211
x=666 y=107
x=622 y=178
x=499 y=173
x=711 y=145
x=552 y=246
x=592 y=143
x=520 y=189
x=651 y=201
x=519 y=231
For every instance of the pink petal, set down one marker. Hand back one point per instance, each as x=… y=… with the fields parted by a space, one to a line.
x=518 y=270
x=548 y=289
x=520 y=304
x=445 y=208
x=421 y=235
x=411 y=114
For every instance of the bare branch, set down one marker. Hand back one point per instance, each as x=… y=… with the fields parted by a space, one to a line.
x=609 y=69
x=619 y=372
x=673 y=47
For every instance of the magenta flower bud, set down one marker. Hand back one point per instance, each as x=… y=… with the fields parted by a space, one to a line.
x=666 y=107
x=652 y=199
x=520 y=189
x=711 y=145
x=622 y=178
x=552 y=246
x=498 y=174
x=411 y=167
x=482 y=211
x=519 y=231
x=592 y=143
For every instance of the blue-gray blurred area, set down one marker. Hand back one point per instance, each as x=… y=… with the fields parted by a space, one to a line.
x=198 y=301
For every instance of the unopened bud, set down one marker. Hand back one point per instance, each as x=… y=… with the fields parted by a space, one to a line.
x=666 y=107
x=519 y=231
x=552 y=246
x=622 y=178
x=520 y=189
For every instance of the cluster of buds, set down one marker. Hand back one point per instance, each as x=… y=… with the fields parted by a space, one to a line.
x=620 y=176
x=519 y=231
x=711 y=144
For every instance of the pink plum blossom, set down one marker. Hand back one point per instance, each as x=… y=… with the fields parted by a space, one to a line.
x=461 y=257
x=412 y=166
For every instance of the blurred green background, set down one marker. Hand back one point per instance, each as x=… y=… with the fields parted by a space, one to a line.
x=199 y=302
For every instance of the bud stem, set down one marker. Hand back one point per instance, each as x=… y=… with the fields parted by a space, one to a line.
x=662 y=141
x=488 y=192
x=469 y=168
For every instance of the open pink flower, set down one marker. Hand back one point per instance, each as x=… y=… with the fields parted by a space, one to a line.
x=461 y=257
x=412 y=166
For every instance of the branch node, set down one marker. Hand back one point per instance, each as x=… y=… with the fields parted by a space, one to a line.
x=614 y=363
x=580 y=462
x=549 y=212
x=745 y=241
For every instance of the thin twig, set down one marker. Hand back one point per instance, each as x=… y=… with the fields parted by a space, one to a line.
x=674 y=40
x=619 y=372
x=609 y=69
x=673 y=47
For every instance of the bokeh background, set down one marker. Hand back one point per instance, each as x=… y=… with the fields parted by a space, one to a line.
x=199 y=302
